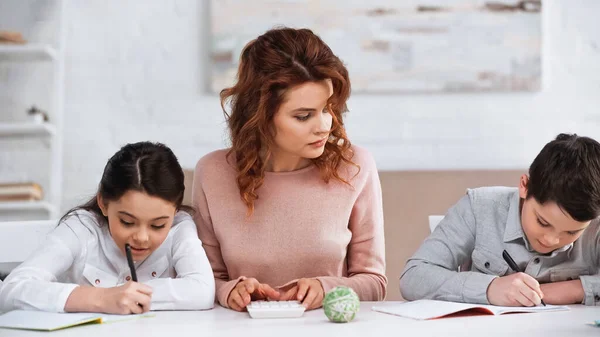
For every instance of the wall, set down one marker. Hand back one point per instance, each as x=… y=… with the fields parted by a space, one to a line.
x=139 y=72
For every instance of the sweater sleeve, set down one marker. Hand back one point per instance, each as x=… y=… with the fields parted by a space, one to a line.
x=209 y=240
x=366 y=250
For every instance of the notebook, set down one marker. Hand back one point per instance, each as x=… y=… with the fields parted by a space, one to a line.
x=431 y=309
x=50 y=321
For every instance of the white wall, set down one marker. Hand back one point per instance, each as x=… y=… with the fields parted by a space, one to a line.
x=138 y=71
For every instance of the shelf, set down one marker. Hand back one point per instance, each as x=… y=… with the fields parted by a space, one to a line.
x=27 y=130
x=24 y=206
x=26 y=53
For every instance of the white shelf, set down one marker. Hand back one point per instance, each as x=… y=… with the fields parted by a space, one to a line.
x=18 y=206
x=27 y=129
x=51 y=54
x=26 y=53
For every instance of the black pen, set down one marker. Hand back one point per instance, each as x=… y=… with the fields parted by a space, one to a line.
x=513 y=265
x=130 y=262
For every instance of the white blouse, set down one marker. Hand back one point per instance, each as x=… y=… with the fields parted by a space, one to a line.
x=81 y=251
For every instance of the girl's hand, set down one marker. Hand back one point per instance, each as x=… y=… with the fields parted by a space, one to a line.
x=129 y=298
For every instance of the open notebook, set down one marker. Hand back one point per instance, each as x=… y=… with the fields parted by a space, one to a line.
x=50 y=321
x=431 y=309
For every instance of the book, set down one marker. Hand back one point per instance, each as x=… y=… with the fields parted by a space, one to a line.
x=20 y=192
x=432 y=309
x=50 y=321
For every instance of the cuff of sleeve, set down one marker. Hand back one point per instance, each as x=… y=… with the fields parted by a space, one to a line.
x=591 y=289
x=62 y=296
x=224 y=289
x=328 y=283
x=475 y=287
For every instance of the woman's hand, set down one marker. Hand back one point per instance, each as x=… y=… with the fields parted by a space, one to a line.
x=309 y=291
x=249 y=289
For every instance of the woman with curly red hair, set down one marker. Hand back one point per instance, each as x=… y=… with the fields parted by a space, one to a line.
x=292 y=209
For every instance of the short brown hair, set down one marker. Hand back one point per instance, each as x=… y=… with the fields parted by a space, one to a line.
x=567 y=172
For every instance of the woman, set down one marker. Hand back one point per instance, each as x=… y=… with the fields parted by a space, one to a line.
x=82 y=267
x=292 y=209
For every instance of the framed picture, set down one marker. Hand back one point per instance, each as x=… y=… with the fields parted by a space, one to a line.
x=392 y=46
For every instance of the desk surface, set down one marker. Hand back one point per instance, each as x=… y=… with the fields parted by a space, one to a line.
x=224 y=322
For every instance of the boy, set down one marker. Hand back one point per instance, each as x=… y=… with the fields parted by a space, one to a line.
x=548 y=225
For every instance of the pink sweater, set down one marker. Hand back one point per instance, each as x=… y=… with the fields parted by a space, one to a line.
x=301 y=227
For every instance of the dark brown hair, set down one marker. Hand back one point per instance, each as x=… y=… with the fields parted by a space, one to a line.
x=567 y=172
x=147 y=167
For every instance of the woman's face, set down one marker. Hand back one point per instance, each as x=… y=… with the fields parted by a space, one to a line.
x=303 y=122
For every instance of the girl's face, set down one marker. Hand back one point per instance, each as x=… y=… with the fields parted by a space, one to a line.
x=141 y=220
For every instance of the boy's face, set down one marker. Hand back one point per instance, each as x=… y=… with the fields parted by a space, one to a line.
x=547 y=227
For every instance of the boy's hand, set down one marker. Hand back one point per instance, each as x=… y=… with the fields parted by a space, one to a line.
x=515 y=290
x=565 y=292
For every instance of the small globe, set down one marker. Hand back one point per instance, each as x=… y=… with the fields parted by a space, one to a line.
x=341 y=304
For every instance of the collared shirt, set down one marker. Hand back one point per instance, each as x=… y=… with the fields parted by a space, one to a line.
x=81 y=252
x=473 y=235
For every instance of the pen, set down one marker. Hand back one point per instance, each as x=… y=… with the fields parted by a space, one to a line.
x=513 y=265
x=130 y=262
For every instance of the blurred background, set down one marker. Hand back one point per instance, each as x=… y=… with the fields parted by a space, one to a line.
x=447 y=94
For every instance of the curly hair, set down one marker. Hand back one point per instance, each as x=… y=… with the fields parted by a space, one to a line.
x=275 y=61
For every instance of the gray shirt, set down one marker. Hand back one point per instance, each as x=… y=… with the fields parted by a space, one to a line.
x=473 y=235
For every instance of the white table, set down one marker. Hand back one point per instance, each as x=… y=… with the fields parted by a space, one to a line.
x=224 y=322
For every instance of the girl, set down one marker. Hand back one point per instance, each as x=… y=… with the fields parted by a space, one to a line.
x=292 y=209
x=83 y=267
